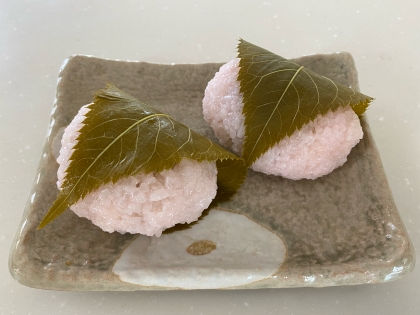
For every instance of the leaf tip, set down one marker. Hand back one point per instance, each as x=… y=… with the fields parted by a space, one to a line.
x=361 y=107
x=42 y=224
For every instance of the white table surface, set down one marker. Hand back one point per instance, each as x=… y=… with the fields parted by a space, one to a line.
x=36 y=36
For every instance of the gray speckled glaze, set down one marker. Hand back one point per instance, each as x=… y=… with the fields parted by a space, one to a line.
x=341 y=229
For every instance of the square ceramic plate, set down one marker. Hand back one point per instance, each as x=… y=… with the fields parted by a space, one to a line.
x=341 y=229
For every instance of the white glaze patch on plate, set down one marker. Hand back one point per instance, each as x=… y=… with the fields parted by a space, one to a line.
x=245 y=252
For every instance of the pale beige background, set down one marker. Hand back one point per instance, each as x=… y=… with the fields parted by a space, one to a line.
x=36 y=36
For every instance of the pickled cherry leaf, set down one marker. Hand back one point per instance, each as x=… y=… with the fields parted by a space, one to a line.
x=122 y=137
x=281 y=96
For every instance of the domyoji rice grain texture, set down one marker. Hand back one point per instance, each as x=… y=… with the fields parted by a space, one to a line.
x=222 y=107
x=145 y=203
x=315 y=150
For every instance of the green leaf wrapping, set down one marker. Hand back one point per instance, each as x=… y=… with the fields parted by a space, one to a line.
x=122 y=137
x=281 y=96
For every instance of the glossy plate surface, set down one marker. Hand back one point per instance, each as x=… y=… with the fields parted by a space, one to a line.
x=341 y=229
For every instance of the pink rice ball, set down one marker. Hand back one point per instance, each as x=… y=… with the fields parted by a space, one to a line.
x=145 y=203
x=317 y=149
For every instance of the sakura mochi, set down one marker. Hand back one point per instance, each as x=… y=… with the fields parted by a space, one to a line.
x=146 y=203
x=315 y=150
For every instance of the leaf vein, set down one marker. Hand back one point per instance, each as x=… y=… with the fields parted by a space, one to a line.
x=274 y=110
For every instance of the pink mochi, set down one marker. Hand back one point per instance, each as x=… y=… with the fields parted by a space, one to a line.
x=145 y=203
x=315 y=150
